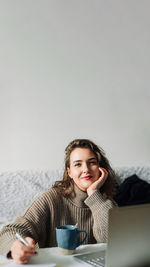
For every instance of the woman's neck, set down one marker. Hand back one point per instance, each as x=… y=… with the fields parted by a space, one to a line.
x=78 y=196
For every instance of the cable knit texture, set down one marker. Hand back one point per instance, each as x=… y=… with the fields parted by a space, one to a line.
x=51 y=210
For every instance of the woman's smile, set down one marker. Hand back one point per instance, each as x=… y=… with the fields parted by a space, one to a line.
x=87 y=177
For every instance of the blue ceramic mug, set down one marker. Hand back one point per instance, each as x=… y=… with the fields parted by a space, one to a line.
x=67 y=238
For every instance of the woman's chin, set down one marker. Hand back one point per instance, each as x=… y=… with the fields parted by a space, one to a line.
x=85 y=185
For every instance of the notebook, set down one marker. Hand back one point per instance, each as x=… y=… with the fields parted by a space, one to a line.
x=128 y=239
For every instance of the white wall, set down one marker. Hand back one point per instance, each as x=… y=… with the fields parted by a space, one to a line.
x=74 y=69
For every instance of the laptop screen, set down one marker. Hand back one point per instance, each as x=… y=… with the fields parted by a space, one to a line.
x=129 y=236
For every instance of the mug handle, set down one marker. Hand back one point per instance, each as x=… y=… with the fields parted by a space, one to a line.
x=82 y=231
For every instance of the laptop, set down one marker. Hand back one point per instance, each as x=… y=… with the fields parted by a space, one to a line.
x=128 y=239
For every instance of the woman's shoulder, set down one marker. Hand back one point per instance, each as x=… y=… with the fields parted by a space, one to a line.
x=50 y=193
x=46 y=197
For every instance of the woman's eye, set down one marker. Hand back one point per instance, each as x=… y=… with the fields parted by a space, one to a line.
x=92 y=162
x=77 y=164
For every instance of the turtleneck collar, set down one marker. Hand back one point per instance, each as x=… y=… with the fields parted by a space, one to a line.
x=78 y=196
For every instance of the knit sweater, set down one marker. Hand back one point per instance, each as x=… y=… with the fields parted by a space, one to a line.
x=51 y=210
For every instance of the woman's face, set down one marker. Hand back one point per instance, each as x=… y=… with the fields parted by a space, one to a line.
x=84 y=168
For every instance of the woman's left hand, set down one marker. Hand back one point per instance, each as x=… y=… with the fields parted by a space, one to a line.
x=98 y=183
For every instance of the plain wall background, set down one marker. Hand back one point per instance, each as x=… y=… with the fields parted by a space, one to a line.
x=74 y=69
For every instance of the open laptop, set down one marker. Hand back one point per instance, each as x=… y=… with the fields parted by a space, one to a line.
x=128 y=239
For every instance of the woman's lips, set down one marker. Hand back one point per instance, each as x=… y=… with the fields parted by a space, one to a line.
x=88 y=177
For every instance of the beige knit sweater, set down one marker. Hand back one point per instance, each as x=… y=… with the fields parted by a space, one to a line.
x=51 y=209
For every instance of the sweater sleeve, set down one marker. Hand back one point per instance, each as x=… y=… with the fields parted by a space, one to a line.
x=99 y=208
x=31 y=224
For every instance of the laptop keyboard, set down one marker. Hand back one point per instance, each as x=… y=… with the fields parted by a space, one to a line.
x=96 y=259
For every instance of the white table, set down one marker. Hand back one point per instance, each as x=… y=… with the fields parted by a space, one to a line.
x=48 y=256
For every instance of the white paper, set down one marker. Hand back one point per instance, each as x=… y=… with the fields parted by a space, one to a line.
x=51 y=257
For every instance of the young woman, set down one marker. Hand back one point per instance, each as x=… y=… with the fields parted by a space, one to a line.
x=83 y=196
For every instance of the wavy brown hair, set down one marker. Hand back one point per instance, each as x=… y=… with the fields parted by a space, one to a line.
x=66 y=185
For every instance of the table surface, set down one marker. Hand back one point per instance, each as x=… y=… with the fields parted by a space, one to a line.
x=48 y=257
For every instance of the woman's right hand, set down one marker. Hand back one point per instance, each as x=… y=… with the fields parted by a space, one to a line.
x=21 y=253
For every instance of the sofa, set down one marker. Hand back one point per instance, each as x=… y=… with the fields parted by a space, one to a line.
x=18 y=189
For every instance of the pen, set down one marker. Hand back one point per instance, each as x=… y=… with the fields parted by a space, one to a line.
x=22 y=239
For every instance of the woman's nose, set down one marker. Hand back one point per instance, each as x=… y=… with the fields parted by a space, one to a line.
x=85 y=168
